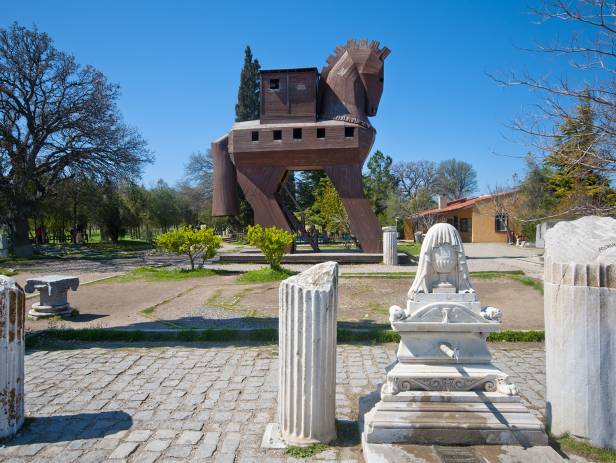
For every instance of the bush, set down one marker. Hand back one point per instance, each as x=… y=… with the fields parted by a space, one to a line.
x=271 y=241
x=194 y=243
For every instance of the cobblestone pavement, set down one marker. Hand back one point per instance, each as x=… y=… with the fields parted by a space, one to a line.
x=195 y=402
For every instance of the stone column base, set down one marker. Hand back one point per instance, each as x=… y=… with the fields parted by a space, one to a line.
x=45 y=311
x=451 y=418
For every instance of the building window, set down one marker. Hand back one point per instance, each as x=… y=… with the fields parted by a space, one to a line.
x=297 y=134
x=500 y=222
x=321 y=132
x=255 y=135
x=274 y=84
x=277 y=134
x=349 y=132
x=465 y=225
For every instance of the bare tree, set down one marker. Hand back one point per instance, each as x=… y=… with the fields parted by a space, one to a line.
x=413 y=175
x=504 y=205
x=591 y=51
x=56 y=119
x=456 y=179
x=199 y=172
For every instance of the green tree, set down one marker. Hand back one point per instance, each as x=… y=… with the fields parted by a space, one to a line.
x=536 y=194
x=306 y=184
x=194 y=243
x=379 y=182
x=248 y=108
x=111 y=212
x=576 y=170
x=272 y=241
x=328 y=207
x=248 y=95
x=57 y=119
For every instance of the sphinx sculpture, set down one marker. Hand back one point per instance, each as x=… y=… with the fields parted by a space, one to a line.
x=443 y=389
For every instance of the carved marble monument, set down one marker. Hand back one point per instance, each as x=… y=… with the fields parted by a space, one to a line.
x=580 y=329
x=443 y=388
x=53 y=295
x=12 y=350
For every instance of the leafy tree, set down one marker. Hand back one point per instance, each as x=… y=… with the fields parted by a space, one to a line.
x=271 y=241
x=248 y=108
x=111 y=212
x=194 y=243
x=248 y=95
x=456 y=179
x=332 y=216
x=575 y=170
x=536 y=195
x=57 y=119
x=306 y=184
x=379 y=182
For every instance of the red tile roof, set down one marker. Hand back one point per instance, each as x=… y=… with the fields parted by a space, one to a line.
x=456 y=205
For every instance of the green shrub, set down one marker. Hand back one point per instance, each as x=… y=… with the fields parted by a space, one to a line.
x=192 y=242
x=271 y=241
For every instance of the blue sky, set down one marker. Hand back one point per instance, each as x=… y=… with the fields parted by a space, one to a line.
x=178 y=65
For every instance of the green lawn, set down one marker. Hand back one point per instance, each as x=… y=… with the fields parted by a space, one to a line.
x=412 y=249
x=579 y=447
x=265 y=275
x=165 y=274
x=9 y=272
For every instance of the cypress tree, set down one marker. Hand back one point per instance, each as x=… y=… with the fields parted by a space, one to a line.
x=248 y=95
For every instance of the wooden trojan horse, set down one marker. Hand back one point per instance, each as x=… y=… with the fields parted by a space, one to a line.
x=308 y=122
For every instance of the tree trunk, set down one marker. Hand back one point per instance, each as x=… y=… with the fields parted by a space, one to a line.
x=22 y=246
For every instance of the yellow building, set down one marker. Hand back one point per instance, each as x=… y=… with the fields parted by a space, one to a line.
x=482 y=219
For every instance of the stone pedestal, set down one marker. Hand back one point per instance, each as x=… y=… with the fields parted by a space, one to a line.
x=390 y=246
x=12 y=347
x=580 y=329
x=444 y=390
x=307 y=333
x=53 y=295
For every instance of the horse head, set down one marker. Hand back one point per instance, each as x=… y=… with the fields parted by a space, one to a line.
x=351 y=84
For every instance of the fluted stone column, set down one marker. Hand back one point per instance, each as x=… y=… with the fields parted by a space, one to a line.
x=307 y=345
x=390 y=245
x=12 y=349
x=580 y=329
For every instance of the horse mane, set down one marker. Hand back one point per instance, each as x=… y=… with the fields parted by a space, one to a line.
x=350 y=45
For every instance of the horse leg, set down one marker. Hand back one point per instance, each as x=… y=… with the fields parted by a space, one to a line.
x=260 y=185
x=364 y=224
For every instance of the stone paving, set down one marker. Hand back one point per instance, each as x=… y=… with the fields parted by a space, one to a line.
x=196 y=402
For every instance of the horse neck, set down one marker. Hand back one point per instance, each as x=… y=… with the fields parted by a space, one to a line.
x=344 y=97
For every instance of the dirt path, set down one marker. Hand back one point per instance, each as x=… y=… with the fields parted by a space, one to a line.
x=219 y=301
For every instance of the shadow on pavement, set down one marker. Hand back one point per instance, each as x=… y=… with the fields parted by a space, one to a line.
x=63 y=428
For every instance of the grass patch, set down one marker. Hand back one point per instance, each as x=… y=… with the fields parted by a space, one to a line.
x=579 y=447
x=265 y=275
x=411 y=249
x=39 y=339
x=517 y=275
x=165 y=274
x=9 y=272
x=517 y=336
x=305 y=452
x=391 y=275
x=148 y=311
x=265 y=335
